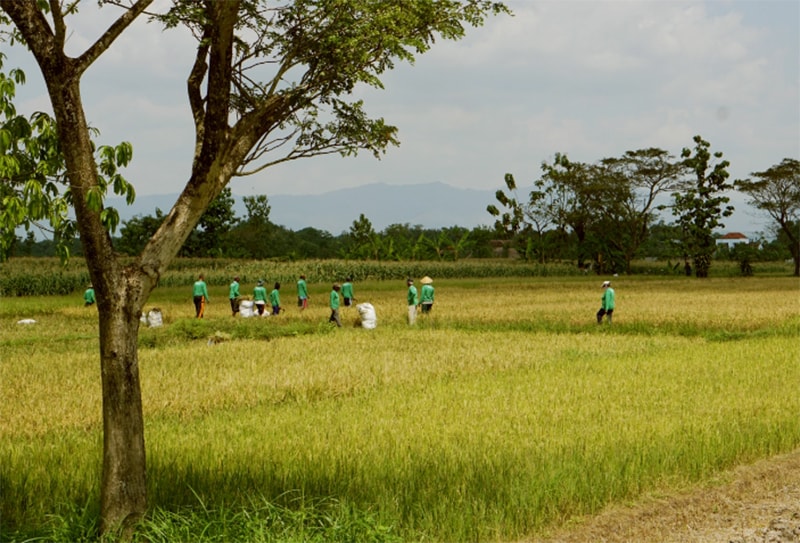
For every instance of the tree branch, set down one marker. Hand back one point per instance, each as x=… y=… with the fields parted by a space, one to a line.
x=113 y=32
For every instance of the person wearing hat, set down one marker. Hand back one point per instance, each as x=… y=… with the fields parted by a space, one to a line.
x=426 y=294
x=606 y=303
x=233 y=296
x=88 y=296
x=260 y=297
x=413 y=301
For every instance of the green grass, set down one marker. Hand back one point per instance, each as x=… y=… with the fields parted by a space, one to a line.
x=505 y=413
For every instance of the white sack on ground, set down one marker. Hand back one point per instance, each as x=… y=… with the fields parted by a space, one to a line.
x=154 y=318
x=367 y=314
x=246 y=308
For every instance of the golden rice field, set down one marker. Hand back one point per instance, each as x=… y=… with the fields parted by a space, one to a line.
x=505 y=413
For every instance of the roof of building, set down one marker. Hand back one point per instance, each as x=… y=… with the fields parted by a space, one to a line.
x=733 y=235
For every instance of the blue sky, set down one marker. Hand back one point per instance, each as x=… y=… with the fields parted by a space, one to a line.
x=591 y=79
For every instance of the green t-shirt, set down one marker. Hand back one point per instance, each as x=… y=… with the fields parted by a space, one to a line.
x=427 y=294
x=412 y=296
x=234 y=290
x=275 y=298
x=200 y=289
x=347 y=290
x=607 y=301
x=302 y=289
x=260 y=294
x=334 y=300
x=88 y=296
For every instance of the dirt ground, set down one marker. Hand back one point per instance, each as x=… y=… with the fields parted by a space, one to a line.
x=759 y=503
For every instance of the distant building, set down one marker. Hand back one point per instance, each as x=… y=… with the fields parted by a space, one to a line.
x=731 y=239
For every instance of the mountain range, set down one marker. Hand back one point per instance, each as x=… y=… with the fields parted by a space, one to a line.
x=431 y=205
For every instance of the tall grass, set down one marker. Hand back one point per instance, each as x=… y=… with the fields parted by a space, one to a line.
x=505 y=412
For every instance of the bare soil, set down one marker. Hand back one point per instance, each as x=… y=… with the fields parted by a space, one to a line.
x=758 y=503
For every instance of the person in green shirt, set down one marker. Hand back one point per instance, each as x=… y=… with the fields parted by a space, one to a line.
x=347 y=292
x=275 y=299
x=606 y=303
x=302 y=293
x=413 y=301
x=200 y=297
x=233 y=296
x=88 y=296
x=335 y=305
x=260 y=297
x=426 y=294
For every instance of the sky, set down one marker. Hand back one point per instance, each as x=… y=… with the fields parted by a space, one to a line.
x=590 y=79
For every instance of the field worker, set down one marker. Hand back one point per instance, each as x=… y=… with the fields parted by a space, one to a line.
x=347 y=292
x=413 y=301
x=606 y=303
x=260 y=297
x=88 y=296
x=302 y=293
x=275 y=299
x=426 y=294
x=335 y=305
x=233 y=296
x=200 y=296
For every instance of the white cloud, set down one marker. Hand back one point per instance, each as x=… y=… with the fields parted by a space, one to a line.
x=589 y=78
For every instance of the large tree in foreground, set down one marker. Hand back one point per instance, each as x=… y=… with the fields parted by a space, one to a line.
x=776 y=191
x=271 y=82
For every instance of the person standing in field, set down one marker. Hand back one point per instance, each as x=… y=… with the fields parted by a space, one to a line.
x=233 y=296
x=335 y=305
x=275 y=299
x=260 y=297
x=426 y=294
x=200 y=296
x=413 y=301
x=302 y=293
x=88 y=296
x=606 y=303
x=347 y=292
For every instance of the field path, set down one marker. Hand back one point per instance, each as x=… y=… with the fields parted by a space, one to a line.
x=759 y=503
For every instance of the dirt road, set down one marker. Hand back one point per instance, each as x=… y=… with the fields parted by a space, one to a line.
x=759 y=503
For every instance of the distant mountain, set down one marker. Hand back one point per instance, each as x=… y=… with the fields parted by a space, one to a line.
x=432 y=205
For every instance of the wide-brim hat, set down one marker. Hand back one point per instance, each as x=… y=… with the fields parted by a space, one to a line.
x=605 y=284
x=426 y=280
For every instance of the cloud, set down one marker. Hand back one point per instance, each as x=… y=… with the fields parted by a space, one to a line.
x=588 y=78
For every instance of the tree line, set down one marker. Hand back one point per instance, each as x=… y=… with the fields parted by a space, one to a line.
x=606 y=214
x=601 y=216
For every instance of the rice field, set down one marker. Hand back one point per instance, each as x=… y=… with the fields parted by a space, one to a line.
x=504 y=413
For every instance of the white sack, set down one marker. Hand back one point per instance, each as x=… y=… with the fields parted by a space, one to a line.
x=246 y=308
x=367 y=314
x=154 y=318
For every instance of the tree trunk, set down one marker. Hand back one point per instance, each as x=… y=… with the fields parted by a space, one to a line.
x=123 y=491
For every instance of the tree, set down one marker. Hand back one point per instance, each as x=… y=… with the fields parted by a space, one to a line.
x=363 y=240
x=700 y=206
x=776 y=191
x=31 y=171
x=269 y=84
x=645 y=174
x=251 y=237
